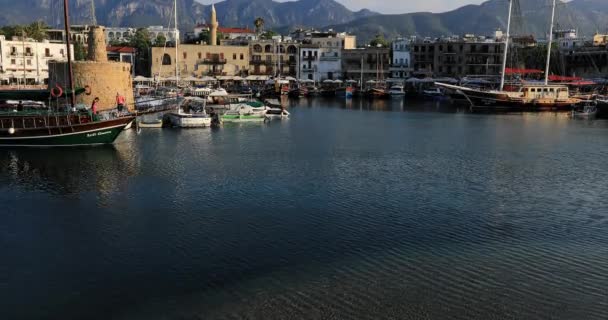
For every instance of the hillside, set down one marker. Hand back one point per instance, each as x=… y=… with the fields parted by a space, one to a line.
x=532 y=17
x=317 y=13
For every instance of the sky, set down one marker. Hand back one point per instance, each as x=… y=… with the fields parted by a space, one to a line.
x=397 y=6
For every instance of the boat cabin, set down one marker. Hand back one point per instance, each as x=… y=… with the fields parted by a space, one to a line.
x=545 y=91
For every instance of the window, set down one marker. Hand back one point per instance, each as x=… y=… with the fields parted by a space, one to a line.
x=242 y=56
x=47 y=52
x=29 y=63
x=13 y=61
x=185 y=55
x=166 y=59
x=200 y=55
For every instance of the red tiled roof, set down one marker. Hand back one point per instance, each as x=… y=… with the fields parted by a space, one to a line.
x=227 y=30
x=120 y=49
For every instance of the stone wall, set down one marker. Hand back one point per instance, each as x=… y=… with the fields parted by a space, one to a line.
x=97 y=45
x=105 y=79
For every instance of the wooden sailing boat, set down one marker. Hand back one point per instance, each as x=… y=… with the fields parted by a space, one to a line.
x=537 y=97
x=48 y=128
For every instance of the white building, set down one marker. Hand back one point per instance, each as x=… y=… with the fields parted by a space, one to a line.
x=400 y=66
x=568 y=40
x=329 y=54
x=309 y=62
x=121 y=35
x=27 y=60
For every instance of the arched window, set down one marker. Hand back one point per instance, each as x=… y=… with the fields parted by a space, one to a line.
x=257 y=48
x=166 y=59
x=125 y=34
x=111 y=35
x=292 y=50
x=281 y=49
x=268 y=48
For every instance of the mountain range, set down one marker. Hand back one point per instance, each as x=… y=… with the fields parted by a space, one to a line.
x=531 y=16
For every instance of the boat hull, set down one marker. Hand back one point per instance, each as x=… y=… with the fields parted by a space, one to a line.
x=186 y=121
x=93 y=133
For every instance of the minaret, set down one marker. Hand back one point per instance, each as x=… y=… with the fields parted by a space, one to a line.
x=214 y=25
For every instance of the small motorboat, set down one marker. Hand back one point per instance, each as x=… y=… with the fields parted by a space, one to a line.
x=588 y=111
x=396 y=91
x=148 y=121
x=433 y=93
x=277 y=113
x=244 y=113
x=190 y=114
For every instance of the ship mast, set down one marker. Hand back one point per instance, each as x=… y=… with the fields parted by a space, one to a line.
x=66 y=19
x=176 y=43
x=549 y=44
x=505 y=55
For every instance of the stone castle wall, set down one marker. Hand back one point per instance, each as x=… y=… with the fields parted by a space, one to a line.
x=105 y=78
x=97 y=45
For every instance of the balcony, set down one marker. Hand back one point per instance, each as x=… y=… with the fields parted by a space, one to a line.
x=309 y=58
x=261 y=62
x=212 y=61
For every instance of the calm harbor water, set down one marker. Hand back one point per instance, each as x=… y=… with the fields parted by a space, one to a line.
x=394 y=210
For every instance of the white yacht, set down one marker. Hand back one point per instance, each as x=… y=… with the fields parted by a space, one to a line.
x=190 y=114
x=397 y=90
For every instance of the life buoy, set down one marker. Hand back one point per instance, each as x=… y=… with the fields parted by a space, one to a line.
x=87 y=90
x=57 y=91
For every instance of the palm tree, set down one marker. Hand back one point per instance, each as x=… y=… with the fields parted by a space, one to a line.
x=259 y=24
x=36 y=30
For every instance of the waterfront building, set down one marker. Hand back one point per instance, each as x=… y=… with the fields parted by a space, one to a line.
x=78 y=34
x=568 y=40
x=371 y=63
x=400 y=66
x=309 y=62
x=201 y=60
x=600 y=40
x=226 y=33
x=458 y=57
x=328 y=47
x=24 y=60
x=122 y=54
x=123 y=35
x=274 y=57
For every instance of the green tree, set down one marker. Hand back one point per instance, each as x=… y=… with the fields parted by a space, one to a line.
x=379 y=41
x=79 y=52
x=36 y=30
x=160 y=40
x=268 y=35
x=141 y=42
x=259 y=24
x=204 y=37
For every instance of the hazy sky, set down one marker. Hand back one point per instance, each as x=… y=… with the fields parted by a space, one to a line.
x=397 y=6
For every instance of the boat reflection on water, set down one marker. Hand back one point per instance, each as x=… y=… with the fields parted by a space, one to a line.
x=68 y=171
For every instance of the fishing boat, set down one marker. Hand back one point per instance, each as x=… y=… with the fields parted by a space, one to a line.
x=49 y=127
x=244 y=113
x=377 y=93
x=190 y=114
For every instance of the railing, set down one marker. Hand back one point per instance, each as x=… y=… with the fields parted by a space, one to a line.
x=213 y=61
x=309 y=58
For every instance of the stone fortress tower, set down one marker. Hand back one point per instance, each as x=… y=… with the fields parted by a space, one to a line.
x=214 y=25
x=105 y=78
